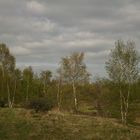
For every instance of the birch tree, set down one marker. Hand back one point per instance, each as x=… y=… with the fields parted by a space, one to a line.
x=122 y=68
x=7 y=66
x=15 y=81
x=59 y=81
x=28 y=78
x=45 y=79
x=74 y=71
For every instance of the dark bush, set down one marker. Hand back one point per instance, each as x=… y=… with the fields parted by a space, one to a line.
x=2 y=103
x=40 y=104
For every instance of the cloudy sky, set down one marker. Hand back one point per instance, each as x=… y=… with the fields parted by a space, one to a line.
x=40 y=32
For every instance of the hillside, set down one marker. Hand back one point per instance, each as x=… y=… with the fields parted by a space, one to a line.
x=21 y=124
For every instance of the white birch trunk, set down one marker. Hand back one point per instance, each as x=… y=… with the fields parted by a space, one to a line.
x=75 y=97
x=9 y=97
x=121 y=107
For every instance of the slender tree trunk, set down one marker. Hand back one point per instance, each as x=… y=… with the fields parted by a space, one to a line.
x=3 y=79
x=2 y=71
x=9 y=98
x=127 y=104
x=121 y=106
x=44 y=89
x=124 y=105
x=75 y=97
x=124 y=109
x=13 y=99
x=27 y=91
x=58 y=96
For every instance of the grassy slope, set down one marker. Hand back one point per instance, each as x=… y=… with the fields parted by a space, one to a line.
x=20 y=124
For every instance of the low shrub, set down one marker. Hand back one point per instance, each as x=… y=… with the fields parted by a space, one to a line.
x=40 y=104
x=2 y=103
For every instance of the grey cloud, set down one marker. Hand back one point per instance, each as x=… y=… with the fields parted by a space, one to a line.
x=40 y=32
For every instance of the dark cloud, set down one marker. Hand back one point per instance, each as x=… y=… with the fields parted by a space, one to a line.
x=40 y=32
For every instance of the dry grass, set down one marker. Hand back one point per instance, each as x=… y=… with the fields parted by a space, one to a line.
x=21 y=124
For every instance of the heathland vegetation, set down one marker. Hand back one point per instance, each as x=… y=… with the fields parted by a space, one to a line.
x=68 y=104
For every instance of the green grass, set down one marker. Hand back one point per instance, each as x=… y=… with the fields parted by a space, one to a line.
x=21 y=124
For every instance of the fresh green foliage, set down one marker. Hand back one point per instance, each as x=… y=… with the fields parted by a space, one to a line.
x=123 y=70
x=74 y=71
x=122 y=65
x=71 y=89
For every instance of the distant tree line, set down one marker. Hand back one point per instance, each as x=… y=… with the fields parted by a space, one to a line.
x=71 y=89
